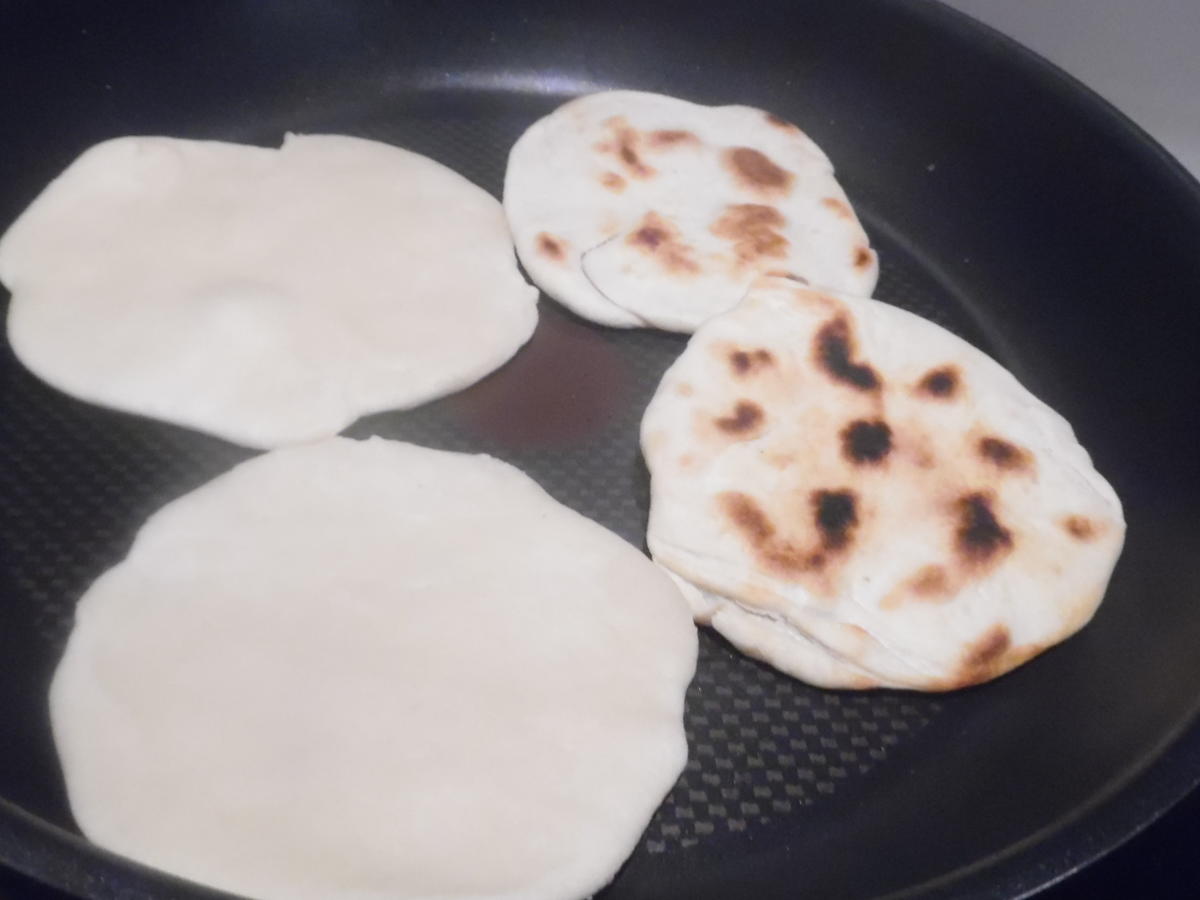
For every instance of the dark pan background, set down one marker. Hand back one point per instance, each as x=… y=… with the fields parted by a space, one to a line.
x=1161 y=863
x=1007 y=204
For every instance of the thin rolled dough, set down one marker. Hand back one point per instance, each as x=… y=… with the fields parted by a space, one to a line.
x=373 y=670
x=266 y=296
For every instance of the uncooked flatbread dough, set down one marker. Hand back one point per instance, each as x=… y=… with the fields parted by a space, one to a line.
x=638 y=209
x=266 y=296
x=862 y=499
x=374 y=670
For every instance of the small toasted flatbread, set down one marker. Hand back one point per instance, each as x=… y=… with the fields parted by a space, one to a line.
x=268 y=296
x=378 y=671
x=863 y=499
x=637 y=209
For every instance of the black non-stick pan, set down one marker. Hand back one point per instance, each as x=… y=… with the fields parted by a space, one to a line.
x=1006 y=203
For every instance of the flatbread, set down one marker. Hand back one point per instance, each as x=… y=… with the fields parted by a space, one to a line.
x=863 y=499
x=374 y=670
x=265 y=296
x=759 y=634
x=637 y=209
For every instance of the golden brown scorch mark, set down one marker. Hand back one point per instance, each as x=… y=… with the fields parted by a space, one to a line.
x=613 y=182
x=747 y=517
x=625 y=145
x=628 y=155
x=863 y=257
x=660 y=239
x=839 y=207
x=746 y=417
x=987 y=657
x=835 y=516
x=930 y=581
x=778 y=122
x=1080 y=527
x=990 y=647
x=755 y=170
x=924 y=458
x=673 y=137
x=551 y=246
x=929 y=584
x=751 y=228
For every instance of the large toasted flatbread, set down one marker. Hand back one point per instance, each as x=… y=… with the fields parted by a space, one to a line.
x=863 y=499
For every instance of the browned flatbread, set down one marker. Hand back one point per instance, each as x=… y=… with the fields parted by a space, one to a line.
x=639 y=209
x=863 y=499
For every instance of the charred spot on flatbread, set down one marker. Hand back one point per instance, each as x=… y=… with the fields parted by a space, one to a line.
x=835 y=513
x=1004 y=454
x=942 y=383
x=930 y=581
x=744 y=362
x=863 y=257
x=866 y=441
x=980 y=538
x=747 y=417
x=835 y=350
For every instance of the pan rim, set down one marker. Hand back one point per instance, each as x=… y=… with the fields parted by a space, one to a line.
x=1147 y=788
x=1171 y=770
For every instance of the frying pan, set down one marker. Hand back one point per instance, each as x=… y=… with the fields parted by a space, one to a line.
x=1007 y=203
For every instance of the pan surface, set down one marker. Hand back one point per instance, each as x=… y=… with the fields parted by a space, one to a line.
x=1006 y=202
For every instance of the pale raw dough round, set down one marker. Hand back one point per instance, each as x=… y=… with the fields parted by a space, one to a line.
x=637 y=209
x=373 y=670
x=863 y=499
x=266 y=296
